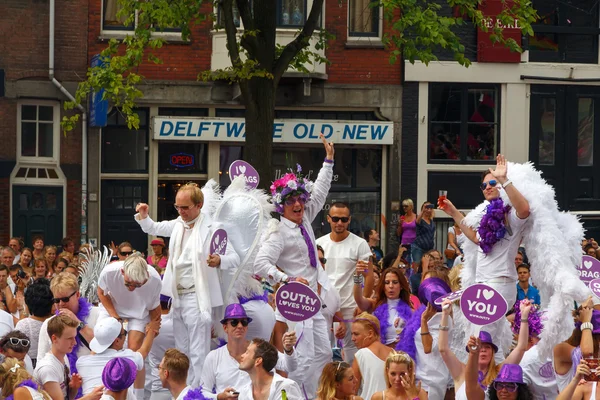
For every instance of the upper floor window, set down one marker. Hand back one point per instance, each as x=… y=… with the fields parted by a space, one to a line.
x=363 y=18
x=463 y=122
x=111 y=21
x=125 y=150
x=567 y=31
x=38 y=130
x=291 y=13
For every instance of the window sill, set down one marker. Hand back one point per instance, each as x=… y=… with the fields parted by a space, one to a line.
x=364 y=43
x=170 y=37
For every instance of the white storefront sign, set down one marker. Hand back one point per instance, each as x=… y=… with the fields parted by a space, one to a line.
x=284 y=130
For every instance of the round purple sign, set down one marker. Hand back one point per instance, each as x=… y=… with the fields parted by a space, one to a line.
x=450 y=296
x=240 y=167
x=218 y=242
x=588 y=269
x=482 y=304
x=594 y=286
x=297 y=302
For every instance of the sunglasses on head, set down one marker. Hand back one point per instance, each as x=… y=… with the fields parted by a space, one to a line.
x=235 y=322
x=509 y=386
x=491 y=182
x=290 y=201
x=57 y=300
x=16 y=342
x=338 y=219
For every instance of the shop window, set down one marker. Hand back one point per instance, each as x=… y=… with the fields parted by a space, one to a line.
x=182 y=158
x=363 y=18
x=37 y=131
x=546 y=113
x=167 y=190
x=365 y=209
x=463 y=123
x=125 y=150
x=566 y=31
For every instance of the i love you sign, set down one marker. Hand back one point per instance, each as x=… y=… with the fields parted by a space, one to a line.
x=482 y=304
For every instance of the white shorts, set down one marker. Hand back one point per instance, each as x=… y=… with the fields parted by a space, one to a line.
x=129 y=324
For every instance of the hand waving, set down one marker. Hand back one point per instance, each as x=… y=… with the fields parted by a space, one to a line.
x=500 y=172
x=329 y=150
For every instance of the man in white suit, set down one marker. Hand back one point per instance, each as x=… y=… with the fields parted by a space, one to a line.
x=191 y=278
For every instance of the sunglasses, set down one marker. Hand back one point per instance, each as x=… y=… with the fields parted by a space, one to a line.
x=491 y=182
x=182 y=208
x=337 y=219
x=57 y=300
x=323 y=260
x=290 y=201
x=16 y=342
x=235 y=322
x=135 y=285
x=509 y=386
x=126 y=253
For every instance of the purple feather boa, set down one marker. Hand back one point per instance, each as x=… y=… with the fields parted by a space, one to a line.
x=84 y=311
x=491 y=228
x=535 y=322
x=382 y=313
x=195 y=394
x=27 y=382
x=407 y=337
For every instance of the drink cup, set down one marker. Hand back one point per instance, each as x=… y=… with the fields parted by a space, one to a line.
x=593 y=362
x=442 y=196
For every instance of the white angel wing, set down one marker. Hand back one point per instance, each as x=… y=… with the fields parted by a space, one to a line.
x=92 y=264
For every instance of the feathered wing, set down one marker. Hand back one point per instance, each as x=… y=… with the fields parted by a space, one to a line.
x=92 y=264
x=244 y=214
x=212 y=197
x=553 y=268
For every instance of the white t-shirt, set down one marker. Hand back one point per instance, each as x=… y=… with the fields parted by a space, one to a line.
x=31 y=327
x=51 y=369
x=44 y=343
x=128 y=304
x=460 y=239
x=7 y=323
x=332 y=303
x=161 y=343
x=395 y=322
x=278 y=384
x=90 y=367
x=183 y=265
x=539 y=375
x=500 y=262
x=341 y=265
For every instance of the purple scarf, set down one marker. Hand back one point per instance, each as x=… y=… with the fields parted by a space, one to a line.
x=407 y=337
x=492 y=227
x=27 y=382
x=84 y=311
x=382 y=313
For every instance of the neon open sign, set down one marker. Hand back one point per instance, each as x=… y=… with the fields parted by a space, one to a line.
x=182 y=160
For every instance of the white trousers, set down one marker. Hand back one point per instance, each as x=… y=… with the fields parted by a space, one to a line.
x=508 y=289
x=263 y=319
x=192 y=334
x=349 y=346
x=314 y=351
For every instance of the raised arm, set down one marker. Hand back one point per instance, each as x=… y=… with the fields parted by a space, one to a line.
x=518 y=352
x=164 y=228
x=518 y=201
x=571 y=392
x=362 y=302
x=152 y=329
x=453 y=212
x=322 y=184
x=587 y=341
x=473 y=390
x=426 y=337
x=454 y=365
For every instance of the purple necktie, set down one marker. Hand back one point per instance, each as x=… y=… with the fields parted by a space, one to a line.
x=309 y=244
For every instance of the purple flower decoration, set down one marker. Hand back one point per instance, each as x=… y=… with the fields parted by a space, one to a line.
x=535 y=322
x=491 y=228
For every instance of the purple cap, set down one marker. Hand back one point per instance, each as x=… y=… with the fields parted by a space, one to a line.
x=431 y=289
x=485 y=337
x=235 y=311
x=164 y=299
x=596 y=322
x=510 y=373
x=119 y=374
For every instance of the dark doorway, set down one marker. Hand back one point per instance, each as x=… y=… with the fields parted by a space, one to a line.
x=38 y=210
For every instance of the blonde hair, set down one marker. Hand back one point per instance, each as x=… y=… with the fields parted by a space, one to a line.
x=408 y=202
x=196 y=194
x=12 y=373
x=492 y=372
x=368 y=322
x=454 y=277
x=136 y=268
x=333 y=373
x=63 y=282
x=398 y=357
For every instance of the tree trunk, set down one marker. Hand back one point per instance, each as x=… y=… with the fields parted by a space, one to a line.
x=260 y=113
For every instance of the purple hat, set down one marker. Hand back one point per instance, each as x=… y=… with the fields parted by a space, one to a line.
x=432 y=289
x=119 y=374
x=510 y=373
x=485 y=337
x=235 y=311
x=596 y=322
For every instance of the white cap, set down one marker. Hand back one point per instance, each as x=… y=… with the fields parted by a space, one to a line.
x=106 y=331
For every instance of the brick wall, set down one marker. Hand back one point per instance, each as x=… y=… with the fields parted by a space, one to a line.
x=409 y=143
x=8 y=129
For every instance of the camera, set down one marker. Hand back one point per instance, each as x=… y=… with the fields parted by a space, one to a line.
x=21 y=274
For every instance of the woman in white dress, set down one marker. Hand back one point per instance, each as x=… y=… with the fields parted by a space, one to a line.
x=17 y=384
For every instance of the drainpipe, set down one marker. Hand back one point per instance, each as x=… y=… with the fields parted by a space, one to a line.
x=84 y=154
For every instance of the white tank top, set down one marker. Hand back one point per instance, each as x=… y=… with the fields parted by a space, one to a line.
x=593 y=395
x=35 y=395
x=562 y=381
x=371 y=368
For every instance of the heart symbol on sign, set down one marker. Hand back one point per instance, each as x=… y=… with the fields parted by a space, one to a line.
x=243 y=169
x=217 y=240
x=588 y=264
x=488 y=294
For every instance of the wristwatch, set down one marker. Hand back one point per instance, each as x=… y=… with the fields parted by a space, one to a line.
x=80 y=326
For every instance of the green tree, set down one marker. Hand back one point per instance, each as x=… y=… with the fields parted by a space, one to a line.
x=418 y=30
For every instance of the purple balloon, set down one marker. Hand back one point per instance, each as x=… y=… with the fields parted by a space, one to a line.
x=240 y=167
x=483 y=305
x=589 y=269
x=297 y=302
x=218 y=242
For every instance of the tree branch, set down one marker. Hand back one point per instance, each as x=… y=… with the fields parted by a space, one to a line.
x=232 y=43
x=301 y=41
x=249 y=42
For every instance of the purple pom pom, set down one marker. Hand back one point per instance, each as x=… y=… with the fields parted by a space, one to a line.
x=491 y=227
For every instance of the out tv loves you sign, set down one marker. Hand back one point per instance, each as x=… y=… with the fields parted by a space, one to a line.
x=588 y=269
x=483 y=305
x=297 y=302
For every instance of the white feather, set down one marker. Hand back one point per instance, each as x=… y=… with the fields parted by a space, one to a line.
x=92 y=264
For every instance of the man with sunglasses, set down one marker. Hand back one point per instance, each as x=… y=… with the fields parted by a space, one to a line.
x=221 y=375
x=109 y=340
x=191 y=278
x=344 y=251
x=290 y=253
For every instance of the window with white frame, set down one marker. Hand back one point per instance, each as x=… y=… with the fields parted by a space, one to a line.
x=38 y=130
x=111 y=21
x=363 y=18
x=291 y=13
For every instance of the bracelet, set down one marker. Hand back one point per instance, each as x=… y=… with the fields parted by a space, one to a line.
x=505 y=184
x=524 y=321
x=328 y=161
x=358 y=279
x=587 y=325
x=444 y=328
x=425 y=333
